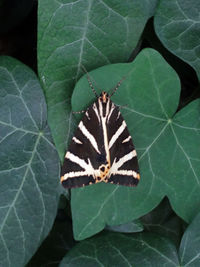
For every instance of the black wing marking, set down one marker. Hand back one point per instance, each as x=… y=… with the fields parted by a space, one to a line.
x=101 y=149
x=86 y=152
x=124 y=163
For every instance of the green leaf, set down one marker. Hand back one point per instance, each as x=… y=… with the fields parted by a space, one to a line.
x=29 y=165
x=183 y=183
x=189 y=251
x=116 y=249
x=162 y=220
x=141 y=92
x=131 y=227
x=144 y=249
x=177 y=24
x=167 y=146
x=75 y=33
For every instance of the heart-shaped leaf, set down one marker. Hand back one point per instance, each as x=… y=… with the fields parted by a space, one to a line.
x=167 y=145
x=29 y=165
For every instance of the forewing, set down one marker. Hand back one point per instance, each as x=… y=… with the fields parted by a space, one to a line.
x=86 y=151
x=124 y=163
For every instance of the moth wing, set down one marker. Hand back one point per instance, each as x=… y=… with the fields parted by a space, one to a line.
x=124 y=163
x=86 y=152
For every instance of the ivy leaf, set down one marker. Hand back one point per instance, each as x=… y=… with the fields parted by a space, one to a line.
x=71 y=34
x=182 y=179
x=167 y=145
x=143 y=249
x=189 y=251
x=177 y=24
x=29 y=165
x=123 y=250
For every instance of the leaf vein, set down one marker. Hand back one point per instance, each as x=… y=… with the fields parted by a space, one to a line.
x=99 y=211
x=186 y=155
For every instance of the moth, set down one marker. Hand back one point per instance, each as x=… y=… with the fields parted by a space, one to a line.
x=101 y=149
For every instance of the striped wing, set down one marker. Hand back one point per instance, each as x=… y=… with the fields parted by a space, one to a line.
x=101 y=149
x=124 y=163
x=86 y=152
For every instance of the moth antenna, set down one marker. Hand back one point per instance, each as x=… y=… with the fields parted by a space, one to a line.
x=91 y=86
x=117 y=86
x=89 y=81
x=78 y=112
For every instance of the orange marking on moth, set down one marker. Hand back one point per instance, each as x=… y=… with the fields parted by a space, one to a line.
x=104 y=170
x=104 y=97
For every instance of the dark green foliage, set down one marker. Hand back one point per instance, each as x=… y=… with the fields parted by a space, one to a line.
x=142 y=226
x=143 y=249
x=29 y=165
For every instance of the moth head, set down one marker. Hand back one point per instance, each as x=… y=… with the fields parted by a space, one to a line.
x=104 y=97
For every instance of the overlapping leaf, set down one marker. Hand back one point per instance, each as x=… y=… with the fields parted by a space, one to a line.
x=168 y=155
x=163 y=221
x=144 y=249
x=123 y=250
x=189 y=251
x=76 y=33
x=177 y=24
x=29 y=165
